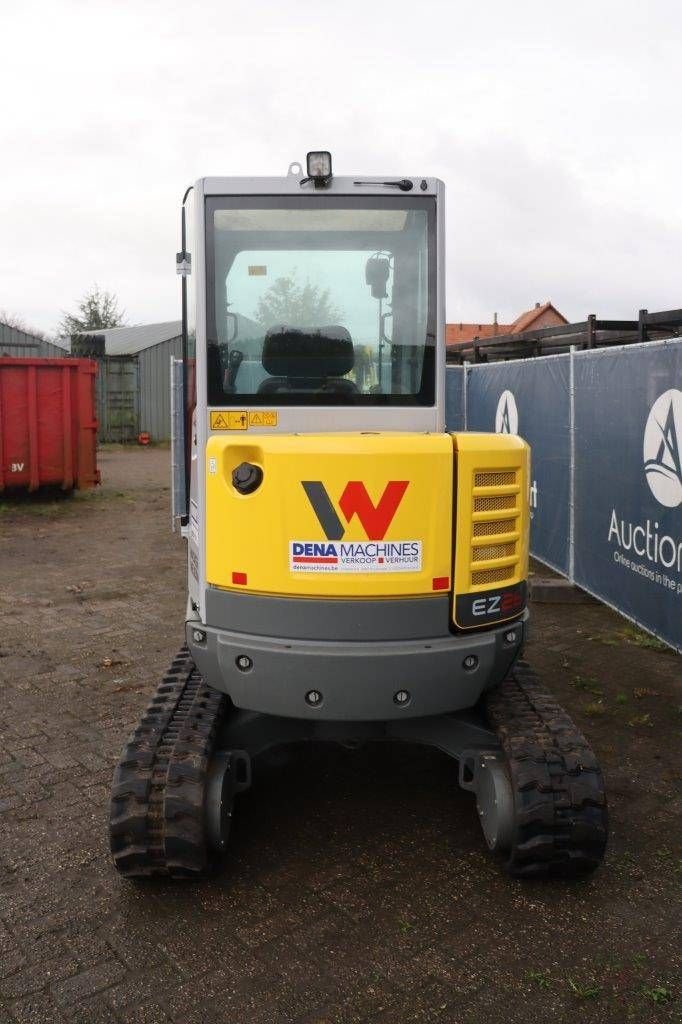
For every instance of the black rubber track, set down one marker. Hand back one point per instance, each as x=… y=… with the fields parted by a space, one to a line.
x=157 y=800
x=560 y=803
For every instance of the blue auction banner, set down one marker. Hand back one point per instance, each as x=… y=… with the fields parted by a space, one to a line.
x=628 y=482
x=531 y=398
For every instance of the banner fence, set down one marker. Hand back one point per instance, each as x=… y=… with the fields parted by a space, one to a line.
x=605 y=430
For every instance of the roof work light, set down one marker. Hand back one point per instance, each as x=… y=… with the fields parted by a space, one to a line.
x=319 y=166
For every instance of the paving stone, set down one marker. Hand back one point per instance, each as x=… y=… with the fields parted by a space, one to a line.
x=36 y=976
x=93 y=1011
x=149 y=1013
x=7 y=942
x=10 y=963
x=136 y=988
x=87 y=982
x=38 y=1008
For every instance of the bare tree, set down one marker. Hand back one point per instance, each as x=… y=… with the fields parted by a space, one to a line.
x=96 y=311
x=19 y=324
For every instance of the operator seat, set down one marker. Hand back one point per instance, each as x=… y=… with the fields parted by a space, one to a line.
x=307 y=360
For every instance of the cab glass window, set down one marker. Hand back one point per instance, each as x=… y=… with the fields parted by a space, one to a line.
x=321 y=300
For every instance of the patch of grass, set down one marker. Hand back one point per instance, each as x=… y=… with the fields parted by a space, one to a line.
x=609 y=641
x=540 y=978
x=610 y=958
x=91 y=494
x=640 y=720
x=588 y=685
x=641 y=639
x=670 y=859
x=587 y=990
x=621 y=698
x=594 y=709
x=639 y=959
x=658 y=994
x=405 y=925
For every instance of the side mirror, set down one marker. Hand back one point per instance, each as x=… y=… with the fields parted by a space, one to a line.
x=377 y=270
x=234 y=361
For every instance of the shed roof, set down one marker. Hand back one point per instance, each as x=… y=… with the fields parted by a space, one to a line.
x=15 y=342
x=123 y=341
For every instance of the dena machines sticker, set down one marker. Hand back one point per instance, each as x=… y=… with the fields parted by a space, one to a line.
x=373 y=555
x=355 y=556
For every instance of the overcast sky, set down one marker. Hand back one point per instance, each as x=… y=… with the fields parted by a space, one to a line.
x=556 y=128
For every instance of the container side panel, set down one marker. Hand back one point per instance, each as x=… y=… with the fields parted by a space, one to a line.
x=15 y=447
x=68 y=423
x=49 y=418
x=33 y=428
x=85 y=435
x=47 y=423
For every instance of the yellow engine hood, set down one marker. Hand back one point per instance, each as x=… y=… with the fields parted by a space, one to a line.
x=336 y=515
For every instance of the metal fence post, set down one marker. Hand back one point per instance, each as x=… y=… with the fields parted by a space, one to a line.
x=642 y=334
x=571 y=467
x=465 y=394
x=590 y=330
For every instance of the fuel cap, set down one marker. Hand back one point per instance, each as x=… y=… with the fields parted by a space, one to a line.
x=246 y=477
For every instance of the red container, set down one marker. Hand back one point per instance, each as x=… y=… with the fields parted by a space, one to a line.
x=48 y=429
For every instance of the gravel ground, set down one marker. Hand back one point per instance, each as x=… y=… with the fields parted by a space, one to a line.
x=357 y=886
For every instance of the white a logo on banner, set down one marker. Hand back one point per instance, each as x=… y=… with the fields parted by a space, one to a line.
x=663 y=450
x=507 y=415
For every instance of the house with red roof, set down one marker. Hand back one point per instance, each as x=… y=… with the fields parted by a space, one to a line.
x=543 y=314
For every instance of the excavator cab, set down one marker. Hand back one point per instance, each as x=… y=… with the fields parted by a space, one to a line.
x=356 y=573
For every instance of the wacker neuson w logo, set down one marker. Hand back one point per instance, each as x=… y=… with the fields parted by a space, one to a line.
x=373 y=555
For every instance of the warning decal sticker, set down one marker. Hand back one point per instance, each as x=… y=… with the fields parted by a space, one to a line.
x=242 y=419
x=355 y=556
x=229 y=419
x=266 y=418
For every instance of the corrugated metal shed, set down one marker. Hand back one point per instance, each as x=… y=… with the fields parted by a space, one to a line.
x=154 y=385
x=125 y=341
x=134 y=393
x=18 y=343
